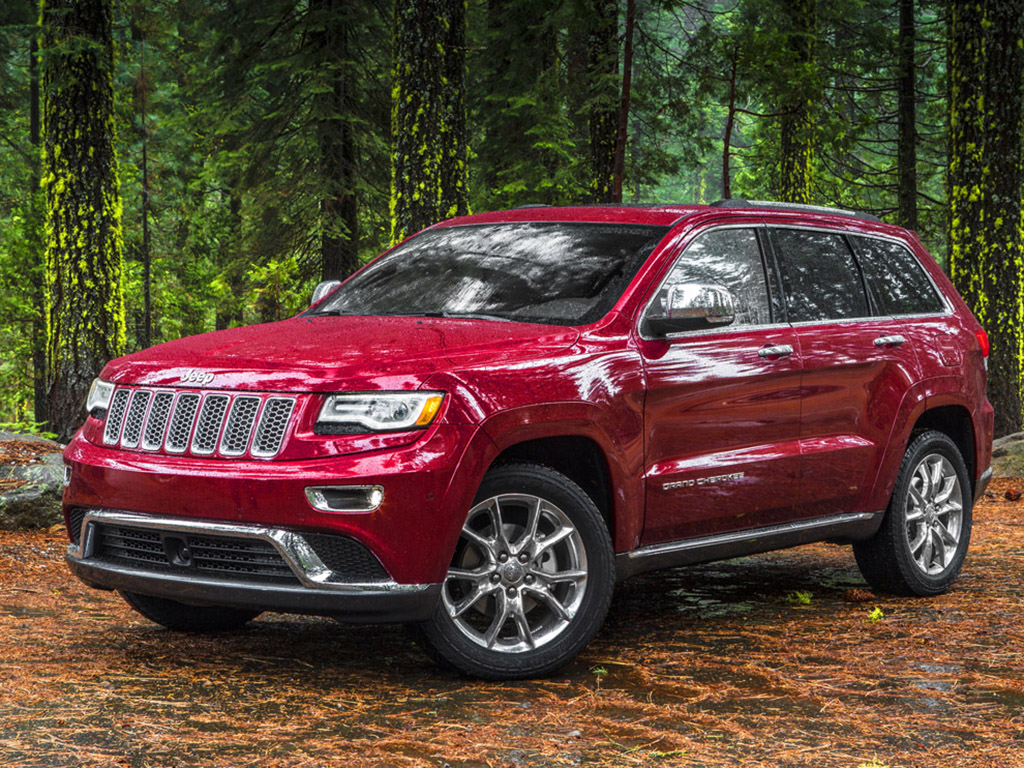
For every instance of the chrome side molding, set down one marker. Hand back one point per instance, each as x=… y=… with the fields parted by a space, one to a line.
x=850 y=526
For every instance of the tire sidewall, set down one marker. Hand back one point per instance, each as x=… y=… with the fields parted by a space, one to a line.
x=461 y=652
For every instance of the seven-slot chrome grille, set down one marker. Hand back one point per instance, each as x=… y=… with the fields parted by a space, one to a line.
x=198 y=423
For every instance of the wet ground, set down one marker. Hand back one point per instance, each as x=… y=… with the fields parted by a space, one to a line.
x=782 y=659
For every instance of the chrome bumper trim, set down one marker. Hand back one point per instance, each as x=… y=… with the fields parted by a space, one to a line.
x=300 y=557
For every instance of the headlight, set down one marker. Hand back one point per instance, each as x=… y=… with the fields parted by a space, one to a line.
x=98 y=401
x=378 y=412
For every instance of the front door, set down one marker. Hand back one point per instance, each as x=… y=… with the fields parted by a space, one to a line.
x=722 y=410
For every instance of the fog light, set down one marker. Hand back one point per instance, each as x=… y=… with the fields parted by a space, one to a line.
x=345 y=498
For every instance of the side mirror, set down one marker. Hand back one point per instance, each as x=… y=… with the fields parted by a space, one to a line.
x=691 y=307
x=322 y=289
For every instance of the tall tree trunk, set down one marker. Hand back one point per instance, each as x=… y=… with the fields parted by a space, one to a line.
x=796 y=140
x=84 y=261
x=141 y=92
x=39 y=399
x=603 y=112
x=339 y=245
x=428 y=125
x=627 y=81
x=986 y=174
x=730 y=122
x=906 y=126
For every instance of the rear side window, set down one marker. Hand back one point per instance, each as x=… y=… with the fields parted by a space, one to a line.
x=896 y=277
x=819 y=276
x=730 y=258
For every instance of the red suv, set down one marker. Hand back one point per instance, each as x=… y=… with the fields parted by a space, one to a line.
x=482 y=430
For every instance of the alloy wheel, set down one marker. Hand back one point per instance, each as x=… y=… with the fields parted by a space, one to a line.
x=934 y=514
x=518 y=576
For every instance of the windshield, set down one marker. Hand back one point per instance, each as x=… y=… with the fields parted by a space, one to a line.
x=557 y=273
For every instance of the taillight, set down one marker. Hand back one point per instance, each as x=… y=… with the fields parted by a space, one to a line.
x=983 y=340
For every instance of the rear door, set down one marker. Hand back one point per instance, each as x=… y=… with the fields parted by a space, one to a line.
x=857 y=364
x=722 y=410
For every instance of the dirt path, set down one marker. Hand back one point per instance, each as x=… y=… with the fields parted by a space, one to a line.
x=764 y=661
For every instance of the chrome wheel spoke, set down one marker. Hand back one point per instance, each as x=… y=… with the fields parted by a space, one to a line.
x=500 y=540
x=936 y=478
x=468 y=602
x=522 y=624
x=550 y=541
x=928 y=551
x=551 y=602
x=938 y=546
x=945 y=536
x=524 y=542
x=918 y=542
x=948 y=484
x=482 y=543
x=561 y=577
x=461 y=574
x=500 y=617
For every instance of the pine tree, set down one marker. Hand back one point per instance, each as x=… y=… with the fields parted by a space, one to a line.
x=796 y=146
x=85 y=300
x=428 y=177
x=986 y=175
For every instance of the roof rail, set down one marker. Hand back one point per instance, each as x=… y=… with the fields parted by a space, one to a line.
x=531 y=205
x=741 y=203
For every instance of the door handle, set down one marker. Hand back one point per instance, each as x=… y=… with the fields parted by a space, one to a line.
x=777 y=350
x=889 y=341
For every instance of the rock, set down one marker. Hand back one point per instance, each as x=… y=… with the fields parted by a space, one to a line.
x=1008 y=456
x=36 y=502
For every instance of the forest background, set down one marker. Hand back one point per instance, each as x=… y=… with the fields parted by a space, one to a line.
x=169 y=168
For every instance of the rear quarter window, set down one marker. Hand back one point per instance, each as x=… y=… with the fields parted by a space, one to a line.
x=896 y=277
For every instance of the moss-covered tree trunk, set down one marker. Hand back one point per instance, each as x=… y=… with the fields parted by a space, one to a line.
x=84 y=294
x=428 y=121
x=603 y=105
x=796 y=127
x=331 y=35
x=986 y=175
x=906 y=121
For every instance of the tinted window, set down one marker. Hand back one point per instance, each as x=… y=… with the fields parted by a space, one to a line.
x=896 y=277
x=560 y=273
x=819 y=276
x=726 y=257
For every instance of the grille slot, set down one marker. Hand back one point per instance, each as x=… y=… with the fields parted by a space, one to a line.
x=273 y=423
x=211 y=417
x=239 y=427
x=115 y=416
x=133 y=421
x=181 y=422
x=144 y=548
x=156 y=424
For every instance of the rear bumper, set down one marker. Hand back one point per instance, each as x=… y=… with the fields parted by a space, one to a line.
x=315 y=589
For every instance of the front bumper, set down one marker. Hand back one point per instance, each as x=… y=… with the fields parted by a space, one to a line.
x=316 y=588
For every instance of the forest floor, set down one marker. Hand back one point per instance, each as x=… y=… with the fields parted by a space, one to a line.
x=782 y=659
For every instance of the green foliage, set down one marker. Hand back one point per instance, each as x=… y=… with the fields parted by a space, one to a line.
x=269 y=142
x=798 y=597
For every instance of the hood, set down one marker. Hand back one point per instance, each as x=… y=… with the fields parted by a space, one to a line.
x=331 y=353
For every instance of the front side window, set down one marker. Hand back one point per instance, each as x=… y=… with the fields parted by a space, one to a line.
x=552 y=272
x=820 y=279
x=730 y=258
x=896 y=277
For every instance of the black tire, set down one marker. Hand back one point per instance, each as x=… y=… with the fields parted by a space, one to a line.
x=889 y=560
x=526 y=586
x=188 y=618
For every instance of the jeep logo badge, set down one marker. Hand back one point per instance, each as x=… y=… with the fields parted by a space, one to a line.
x=193 y=376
